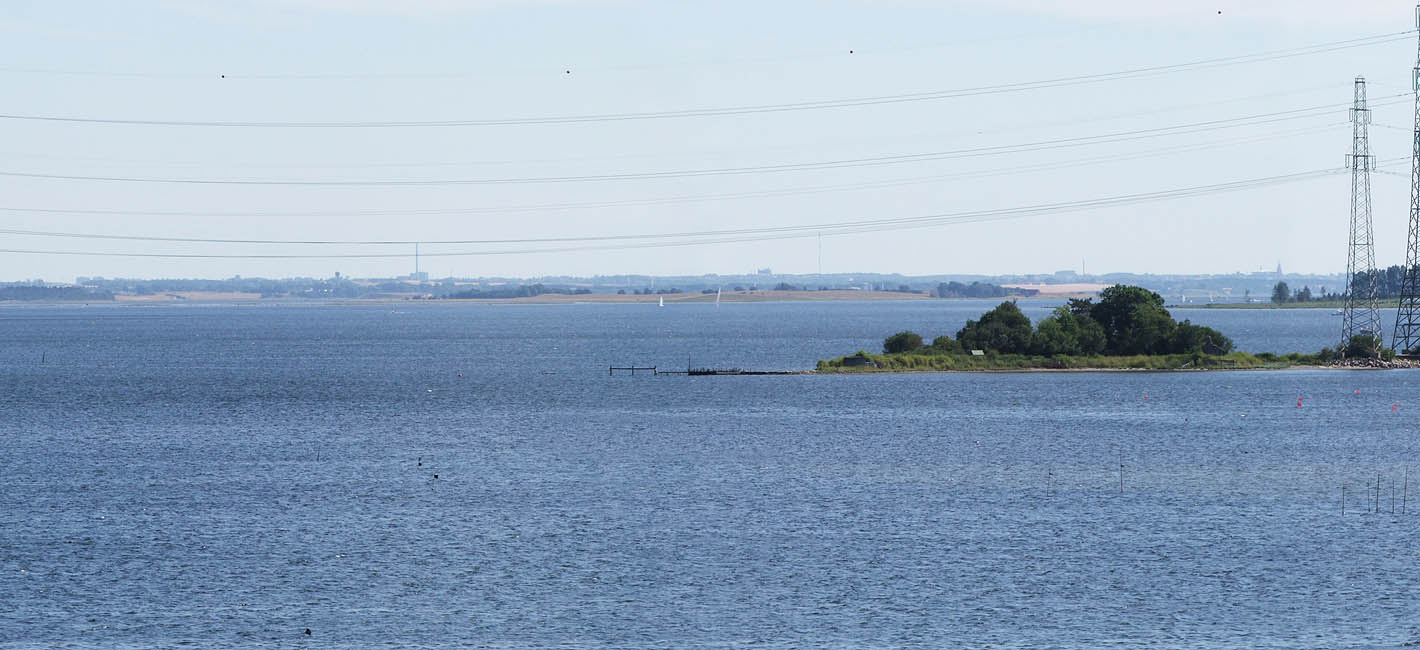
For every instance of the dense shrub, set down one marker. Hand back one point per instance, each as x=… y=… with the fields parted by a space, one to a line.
x=1362 y=346
x=1188 y=338
x=1004 y=329
x=945 y=345
x=1134 y=320
x=1066 y=332
x=902 y=342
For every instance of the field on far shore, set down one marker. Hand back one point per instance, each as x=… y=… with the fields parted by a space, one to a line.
x=1073 y=290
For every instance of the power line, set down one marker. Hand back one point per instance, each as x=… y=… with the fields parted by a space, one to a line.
x=1054 y=124
x=780 y=232
x=857 y=51
x=762 y=108
x=1079 y=162
x=1122 y=136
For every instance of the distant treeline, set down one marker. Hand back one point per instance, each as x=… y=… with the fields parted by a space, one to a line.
x=979 y=290
x=520 y=291
x=340 y=287
x=32 y=292
x=1387 y=283
x=267 y=288
x=639 y=292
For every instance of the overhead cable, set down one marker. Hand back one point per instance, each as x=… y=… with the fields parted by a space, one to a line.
x=777 y=232
x=545 y=207
x=757 y=108
x=1030 y=147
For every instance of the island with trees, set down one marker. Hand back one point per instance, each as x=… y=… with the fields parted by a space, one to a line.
x=1128 y=328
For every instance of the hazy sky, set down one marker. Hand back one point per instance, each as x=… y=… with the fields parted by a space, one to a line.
x=495 y=67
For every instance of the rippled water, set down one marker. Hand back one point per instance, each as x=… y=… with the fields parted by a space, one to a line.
x=229 y=476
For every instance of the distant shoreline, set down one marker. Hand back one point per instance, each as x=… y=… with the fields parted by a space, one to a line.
x=1318 y=304
x=181 y=297
x=897 y=371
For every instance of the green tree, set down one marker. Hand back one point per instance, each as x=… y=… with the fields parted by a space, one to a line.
x=1004 y=329
x=1134 y=320
x=1303 y=295
x=1148 y=330
x=1068 y=330
x=1188 y=338
x=945 y=345
x=1092 y=338
x=1081 y=306
x=1057 y=334
x=902 y=342
x=1280 y=293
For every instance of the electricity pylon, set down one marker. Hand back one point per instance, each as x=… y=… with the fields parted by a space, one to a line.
x=1361 y=316
x=1407 y=318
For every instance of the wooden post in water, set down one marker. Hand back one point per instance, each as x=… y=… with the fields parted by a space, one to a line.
x=1405 y=491
x=1343 y=499
x=1378 y=493
x=1121 y=472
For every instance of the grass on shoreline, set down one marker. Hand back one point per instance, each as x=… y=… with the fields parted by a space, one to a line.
x=916 y=361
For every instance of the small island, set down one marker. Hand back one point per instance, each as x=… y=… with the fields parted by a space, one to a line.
x=1128 y=329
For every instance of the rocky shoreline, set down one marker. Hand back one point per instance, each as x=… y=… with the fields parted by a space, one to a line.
x=1379 y=364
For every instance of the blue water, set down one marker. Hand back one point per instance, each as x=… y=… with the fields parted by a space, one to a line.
x=228 y=476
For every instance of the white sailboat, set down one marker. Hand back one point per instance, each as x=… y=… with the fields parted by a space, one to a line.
x=717 y=296
x=662 y=303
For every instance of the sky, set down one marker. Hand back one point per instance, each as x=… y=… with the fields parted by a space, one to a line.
x=580 y=137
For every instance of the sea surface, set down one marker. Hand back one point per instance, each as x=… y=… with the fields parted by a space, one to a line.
x=437 y=475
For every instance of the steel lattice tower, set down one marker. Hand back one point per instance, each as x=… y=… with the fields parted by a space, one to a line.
x=1407 y=319
x=1362 y=316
